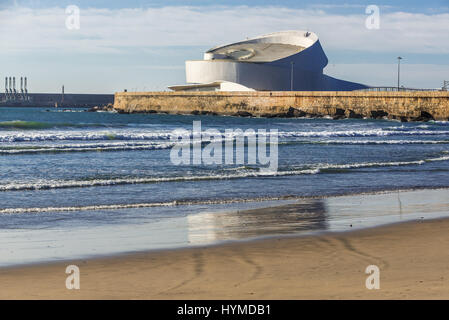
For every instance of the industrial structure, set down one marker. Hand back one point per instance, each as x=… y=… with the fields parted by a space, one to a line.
x=281 y=61
x=13 y=95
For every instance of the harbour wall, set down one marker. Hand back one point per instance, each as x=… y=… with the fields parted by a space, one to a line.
x=71 y=100
x=404 y=106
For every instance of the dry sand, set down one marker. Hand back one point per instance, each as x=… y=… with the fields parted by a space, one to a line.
x=413 y=258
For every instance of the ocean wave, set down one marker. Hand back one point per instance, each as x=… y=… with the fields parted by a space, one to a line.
x=363 y=133
x=366 y=142
x=239 y=174
x=97 y=207
x=94 y=147
x=83 y=136
x=165 y=135
x=150 y=134
x=91 y=147
x=37 y=125
x=158 y=145
x=135 y=205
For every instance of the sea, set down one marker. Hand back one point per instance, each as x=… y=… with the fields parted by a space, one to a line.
x=78 y=184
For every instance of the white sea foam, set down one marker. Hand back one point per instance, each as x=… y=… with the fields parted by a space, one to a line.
x=244 y=173
x=82 y=135
x=363 y=133
x=130 y=205
x=380 y=142
x=127 y=146
x=85 y=208
x=126 y=134
x=157 y=145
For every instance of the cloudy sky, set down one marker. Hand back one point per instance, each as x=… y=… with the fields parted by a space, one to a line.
x=142 y=45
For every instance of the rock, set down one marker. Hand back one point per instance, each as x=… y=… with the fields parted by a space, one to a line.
x=268 y=115
x=281 y=115
x=378 y=114
x=314 y=115
x=425 y=116
x=108 y=107
x=94 y=109
x=293 y=112
x=195 y=112
x=243 y=114
x=352 y=115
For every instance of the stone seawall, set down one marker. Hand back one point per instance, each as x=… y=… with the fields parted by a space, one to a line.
x=404 y=106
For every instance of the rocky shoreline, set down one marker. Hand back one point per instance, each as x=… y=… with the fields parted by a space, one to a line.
x=104 y=108
x=291 y=113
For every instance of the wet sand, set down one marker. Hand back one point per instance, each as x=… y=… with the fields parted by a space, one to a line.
x=413 y=258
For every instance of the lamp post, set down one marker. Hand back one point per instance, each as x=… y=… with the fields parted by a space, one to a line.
x=291 y=76
x=399 y=70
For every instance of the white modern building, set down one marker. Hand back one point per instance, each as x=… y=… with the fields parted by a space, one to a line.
x=280 y=61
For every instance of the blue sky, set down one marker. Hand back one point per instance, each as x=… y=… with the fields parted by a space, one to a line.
x=345 y=6
x=142 y=45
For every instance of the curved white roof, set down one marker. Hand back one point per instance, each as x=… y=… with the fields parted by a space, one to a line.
x=265 y=48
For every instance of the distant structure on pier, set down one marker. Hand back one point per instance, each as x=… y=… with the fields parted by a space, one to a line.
x=13 y=95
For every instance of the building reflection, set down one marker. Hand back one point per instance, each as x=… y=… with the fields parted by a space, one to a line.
x=305 y=215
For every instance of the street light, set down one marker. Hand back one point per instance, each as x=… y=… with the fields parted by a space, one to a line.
x=291 y=76
x=399 y=69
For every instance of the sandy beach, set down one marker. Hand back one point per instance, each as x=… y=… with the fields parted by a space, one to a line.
x=412 y=257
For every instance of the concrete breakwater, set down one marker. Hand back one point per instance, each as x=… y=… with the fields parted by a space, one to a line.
x=404 y=106
x=68 y=100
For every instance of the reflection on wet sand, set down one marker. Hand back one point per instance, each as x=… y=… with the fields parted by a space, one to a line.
x=305 y=215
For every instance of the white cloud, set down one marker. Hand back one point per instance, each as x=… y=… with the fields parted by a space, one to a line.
x=106 y=30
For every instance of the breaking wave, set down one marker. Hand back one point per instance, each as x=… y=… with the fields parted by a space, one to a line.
x=36 y=125
x=158 y=145
x=94 y=147
x=141 y=134
x=238 y=174
x=363 y=133
x=83 y=136
x=367 y=142
x=132 y=205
